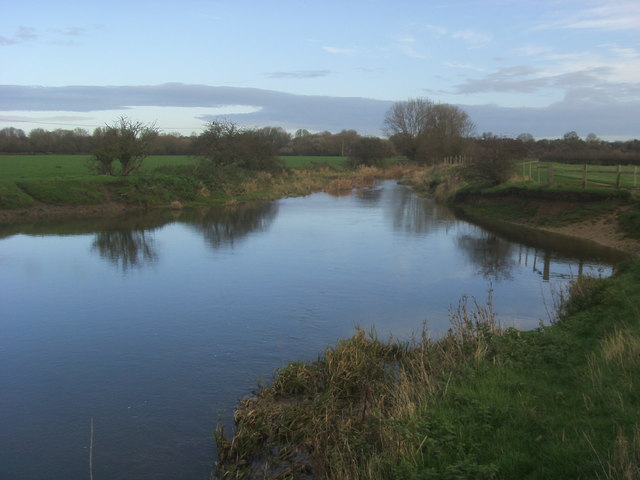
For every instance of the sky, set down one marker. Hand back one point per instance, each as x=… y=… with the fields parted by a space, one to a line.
x=543 y=67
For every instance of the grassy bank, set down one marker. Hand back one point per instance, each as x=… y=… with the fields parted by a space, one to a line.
x=34 y=185
x=482 y=402
x=527 y=203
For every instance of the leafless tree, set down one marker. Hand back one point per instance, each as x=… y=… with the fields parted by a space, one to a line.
x=126 y=141
x=425 y=131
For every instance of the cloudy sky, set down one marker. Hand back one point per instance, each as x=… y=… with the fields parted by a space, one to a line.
x=539 y=66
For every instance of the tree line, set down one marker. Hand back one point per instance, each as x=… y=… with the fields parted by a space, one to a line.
x=419 y=129
x=80 y=141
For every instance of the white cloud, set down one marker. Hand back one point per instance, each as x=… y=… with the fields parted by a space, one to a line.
x=472 y=37
x=407 y=45
x=610 y=15
x=300 y=74
x=340 y=50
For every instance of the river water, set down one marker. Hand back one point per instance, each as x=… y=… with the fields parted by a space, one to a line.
x=151 y=327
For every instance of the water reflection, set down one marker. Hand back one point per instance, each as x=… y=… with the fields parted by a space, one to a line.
x=222 y=227
x=368 y=197
x=126 y=249
x=492 y=255
x=225 y=226
x=497 y=252
x=410 y=213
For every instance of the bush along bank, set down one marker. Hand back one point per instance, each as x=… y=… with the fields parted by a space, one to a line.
x=482 y=402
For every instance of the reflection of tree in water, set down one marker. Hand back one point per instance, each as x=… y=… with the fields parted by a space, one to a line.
x=126 y=248
x=411 y=213
x=368 y=197
x=224 y=226
x=492 y=255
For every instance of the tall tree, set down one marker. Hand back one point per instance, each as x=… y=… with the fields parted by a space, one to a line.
x=425 y=131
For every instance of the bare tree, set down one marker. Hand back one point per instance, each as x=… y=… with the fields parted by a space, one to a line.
x=126 y=141
x=223 y=143
x=423 y=130
x=370 y=151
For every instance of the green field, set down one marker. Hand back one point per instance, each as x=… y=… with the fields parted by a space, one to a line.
x=597 y=175
x=26 y=180
x=16 y=167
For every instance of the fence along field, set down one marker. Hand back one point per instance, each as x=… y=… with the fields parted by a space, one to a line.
x=553 y=173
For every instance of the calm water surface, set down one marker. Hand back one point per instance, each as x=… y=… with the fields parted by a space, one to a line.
x=155 y=325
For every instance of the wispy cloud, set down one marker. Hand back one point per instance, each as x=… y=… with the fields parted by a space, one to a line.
x=472 y=37
x=59 y=36
x=464 y=66
x=300 y=74
x=609 y=15
x=408 y=46
x=341 y=50
x=22 y=35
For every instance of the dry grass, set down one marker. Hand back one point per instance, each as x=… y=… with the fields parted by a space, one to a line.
x=339 y=417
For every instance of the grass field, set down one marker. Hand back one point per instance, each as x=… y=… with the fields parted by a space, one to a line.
x=597 y=175
x=17 y=167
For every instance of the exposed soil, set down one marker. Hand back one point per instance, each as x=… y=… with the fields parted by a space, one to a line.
x=603 y=230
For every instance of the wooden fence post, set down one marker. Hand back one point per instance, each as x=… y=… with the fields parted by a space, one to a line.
x=635 y=176
x=550 y=174
x=618 y=176
x=584 y=176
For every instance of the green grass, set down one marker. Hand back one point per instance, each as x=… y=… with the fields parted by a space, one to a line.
x=313 y=161
x=572 y=174
x=73 y=191
x=66 y=180
x=483 y=402
x=17 y=167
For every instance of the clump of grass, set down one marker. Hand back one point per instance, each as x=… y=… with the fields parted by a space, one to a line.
x=345 y=414
x=481 y=402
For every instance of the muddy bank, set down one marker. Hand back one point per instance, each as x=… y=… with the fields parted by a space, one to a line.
x=45 y=212
x=602 y=230
x=599 y=225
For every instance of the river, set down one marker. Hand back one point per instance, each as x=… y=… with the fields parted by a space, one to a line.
x=151 y=327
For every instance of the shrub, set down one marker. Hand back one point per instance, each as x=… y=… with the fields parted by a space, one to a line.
x=370 y=151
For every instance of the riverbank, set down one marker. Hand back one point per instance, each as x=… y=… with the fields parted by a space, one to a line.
x=482 y=402
x=599 y=219
x=606 y=216
x=174 y=188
